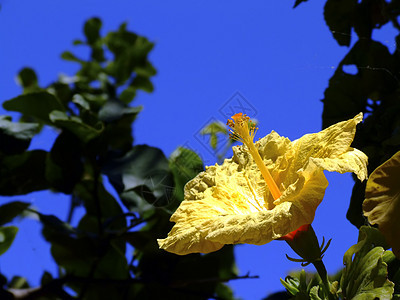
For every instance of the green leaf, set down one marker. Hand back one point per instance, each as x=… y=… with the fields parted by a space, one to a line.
x=314 y=293
x=77 y=251
x=110 y=210
x=38 y=105
x=146 y=70
x=365 y=276
x=18 y=282
x=92 y=30
x=62 y=91
x=339 y=16
x=213 y=129
x=79 y=100
x=113 y=110
x=11 y=210
x=46 y=278
x=130 y=51
x=382 y=200
x=23 y=173
x=128 y=94
x=7 y=235
x=118 y=131
x=143 y=83
x=69 y=56
x=185 y=165
x=141 y=176
x=54 y=229
x=75 y=125
x=15 y=137
x=64 y=166
x=27 y=78
x=291 y=285
x=77 y=42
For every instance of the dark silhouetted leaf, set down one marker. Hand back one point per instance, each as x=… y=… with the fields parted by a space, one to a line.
x=46 y=278
x=110 y=210
x=347 y=94
x=27 y=78
x=64 y=164
x=118 y=131
x=11 y=210
x=92 y=30
x=15 y=137
x=113 y=110
x=23 y=173
x=38 y=105
x=62 y=91
x=298 y=2
x=130 y=52
x=354 y=213
x=339 y=16
x=141 y=175
x=75 y=125
x=278 y=296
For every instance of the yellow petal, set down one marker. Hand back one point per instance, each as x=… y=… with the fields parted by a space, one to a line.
x=332 y=143
x=228 y=203
x=353 y=161
x=382 y=201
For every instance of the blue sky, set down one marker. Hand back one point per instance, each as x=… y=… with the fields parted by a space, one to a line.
x=211 y=57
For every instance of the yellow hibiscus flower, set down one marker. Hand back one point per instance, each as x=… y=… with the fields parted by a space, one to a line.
x=265 y=191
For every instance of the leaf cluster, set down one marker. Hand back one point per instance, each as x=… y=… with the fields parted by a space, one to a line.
x=93 y=115
x=370 y=272
x=371 y=87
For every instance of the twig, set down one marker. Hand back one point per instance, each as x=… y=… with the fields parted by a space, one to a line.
x=55 y=286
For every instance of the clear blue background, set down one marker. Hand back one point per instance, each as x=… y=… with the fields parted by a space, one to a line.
x=277 y=58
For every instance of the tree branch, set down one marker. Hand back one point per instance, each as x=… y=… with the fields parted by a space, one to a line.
x=55 y=286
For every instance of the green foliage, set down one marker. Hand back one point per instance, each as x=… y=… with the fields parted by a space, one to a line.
x=15 y=137
x=142 y=178
x=7 y=235
x=302 y=286
x=11 y=210
x=184 y=164
x=213 y=129
x=373 y=88
x=92 y=115
x=23 y=173
x=365 y=276
x=38 y=105
x=218 y=134
x=27 y=79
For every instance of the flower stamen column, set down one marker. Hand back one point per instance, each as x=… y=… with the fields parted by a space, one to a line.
x=244 y=130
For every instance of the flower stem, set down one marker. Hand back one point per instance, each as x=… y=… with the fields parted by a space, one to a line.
x=320 y=267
